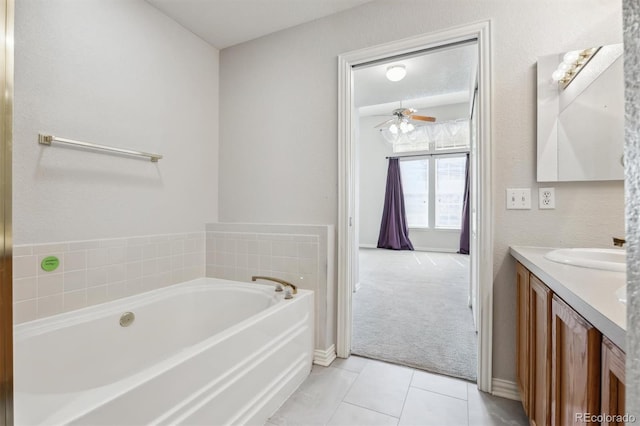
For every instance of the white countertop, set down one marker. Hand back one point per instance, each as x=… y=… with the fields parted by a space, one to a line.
x=590 y=292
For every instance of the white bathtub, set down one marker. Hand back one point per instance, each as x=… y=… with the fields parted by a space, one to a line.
x=204 y=352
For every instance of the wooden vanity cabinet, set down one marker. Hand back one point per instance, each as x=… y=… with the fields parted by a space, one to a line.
x=564 y=366
x=613 y=383
x=539 y=352
x=575 y=365
x=522 y=334
x=533 y=346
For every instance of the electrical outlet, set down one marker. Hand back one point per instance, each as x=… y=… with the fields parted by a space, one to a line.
x=546 y=198
x=518 y=198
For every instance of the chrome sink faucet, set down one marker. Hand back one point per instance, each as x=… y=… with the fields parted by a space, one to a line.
x=279 y=284
x=619 y=242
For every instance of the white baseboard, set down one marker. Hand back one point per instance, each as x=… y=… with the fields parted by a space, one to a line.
x=505 y=389
x=324 y=357
x=431 y=249
x=368 y=245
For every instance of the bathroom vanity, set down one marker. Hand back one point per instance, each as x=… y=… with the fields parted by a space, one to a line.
x=570 y=341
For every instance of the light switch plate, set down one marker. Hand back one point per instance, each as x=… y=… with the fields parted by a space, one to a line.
x=518 y=198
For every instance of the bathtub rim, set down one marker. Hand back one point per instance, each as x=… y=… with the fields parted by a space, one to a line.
x=129 y=303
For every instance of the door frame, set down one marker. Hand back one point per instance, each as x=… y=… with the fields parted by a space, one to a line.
x=481 y=226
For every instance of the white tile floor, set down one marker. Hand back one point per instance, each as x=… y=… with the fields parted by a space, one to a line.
x=363 y=392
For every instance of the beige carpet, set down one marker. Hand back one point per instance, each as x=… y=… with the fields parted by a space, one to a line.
x=412 y=309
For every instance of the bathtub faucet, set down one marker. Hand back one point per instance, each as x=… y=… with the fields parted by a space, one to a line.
x=619 y=242
x=279 y=282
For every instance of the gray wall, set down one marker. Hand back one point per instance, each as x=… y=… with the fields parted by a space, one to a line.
x=283 y=167
x=632 y=163
x=117 y=73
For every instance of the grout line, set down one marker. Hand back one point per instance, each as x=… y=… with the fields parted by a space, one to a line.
x=371 y=409
x=404 y=401
x=468 y=409
x=416 y=258
x=348 y=390
x=440 y=393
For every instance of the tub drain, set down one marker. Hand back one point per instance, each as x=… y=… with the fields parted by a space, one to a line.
x=126 y=319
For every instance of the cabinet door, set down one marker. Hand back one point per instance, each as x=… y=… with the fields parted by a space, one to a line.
x=613 y=384
x=575 y=366
x=539 y=352
x=522 y=334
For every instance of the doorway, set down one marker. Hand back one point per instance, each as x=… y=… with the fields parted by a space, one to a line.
x=481 y=267
x=412 y=304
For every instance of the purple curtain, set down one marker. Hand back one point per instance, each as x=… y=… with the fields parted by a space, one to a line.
x=464 y=234
x=394 y=232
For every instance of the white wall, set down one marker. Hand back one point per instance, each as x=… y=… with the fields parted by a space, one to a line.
x=281 y=166
x=373 y=150
x=117 y=73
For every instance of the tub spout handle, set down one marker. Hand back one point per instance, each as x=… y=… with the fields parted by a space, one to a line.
x=279 y=282
x=619 y=242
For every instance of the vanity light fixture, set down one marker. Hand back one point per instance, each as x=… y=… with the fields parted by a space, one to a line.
x=572 y=63
x=396 y=72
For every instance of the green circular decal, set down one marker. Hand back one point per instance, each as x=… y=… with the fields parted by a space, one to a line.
x=50 y=263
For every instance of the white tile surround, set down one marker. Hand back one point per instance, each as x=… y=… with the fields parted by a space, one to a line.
x=96 y=271
x=240 y=255
x=301 y=254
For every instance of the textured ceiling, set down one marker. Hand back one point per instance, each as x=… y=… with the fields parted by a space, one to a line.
x=224 y=23
x=438 y=77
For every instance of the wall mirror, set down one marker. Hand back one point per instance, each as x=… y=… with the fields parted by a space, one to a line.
x=581 y=115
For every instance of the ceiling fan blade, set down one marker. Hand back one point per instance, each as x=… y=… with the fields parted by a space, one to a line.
x=385 y=123
x=422 y=118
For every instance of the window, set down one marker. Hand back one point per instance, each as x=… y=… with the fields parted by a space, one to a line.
x=415 y=185
x=450 y=177
x=439 y=136
x=434 y=191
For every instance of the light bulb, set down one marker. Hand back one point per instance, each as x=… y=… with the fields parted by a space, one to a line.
x=557 y=75
x=406 y=127
x=564 y=66
x=393 y=129
x=571 y=57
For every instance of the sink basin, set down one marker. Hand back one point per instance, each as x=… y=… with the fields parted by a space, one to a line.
x=595 y=258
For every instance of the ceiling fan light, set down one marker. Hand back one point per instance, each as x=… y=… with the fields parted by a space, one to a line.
x=396 y=72
x=394 y=129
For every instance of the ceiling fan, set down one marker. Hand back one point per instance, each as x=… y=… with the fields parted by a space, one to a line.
x=402 y=121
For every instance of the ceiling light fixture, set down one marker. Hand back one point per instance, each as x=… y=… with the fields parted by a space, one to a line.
x=396 y=72
x=400 y=126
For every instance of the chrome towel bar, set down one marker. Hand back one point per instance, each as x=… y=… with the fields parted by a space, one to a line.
x=47 y=139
